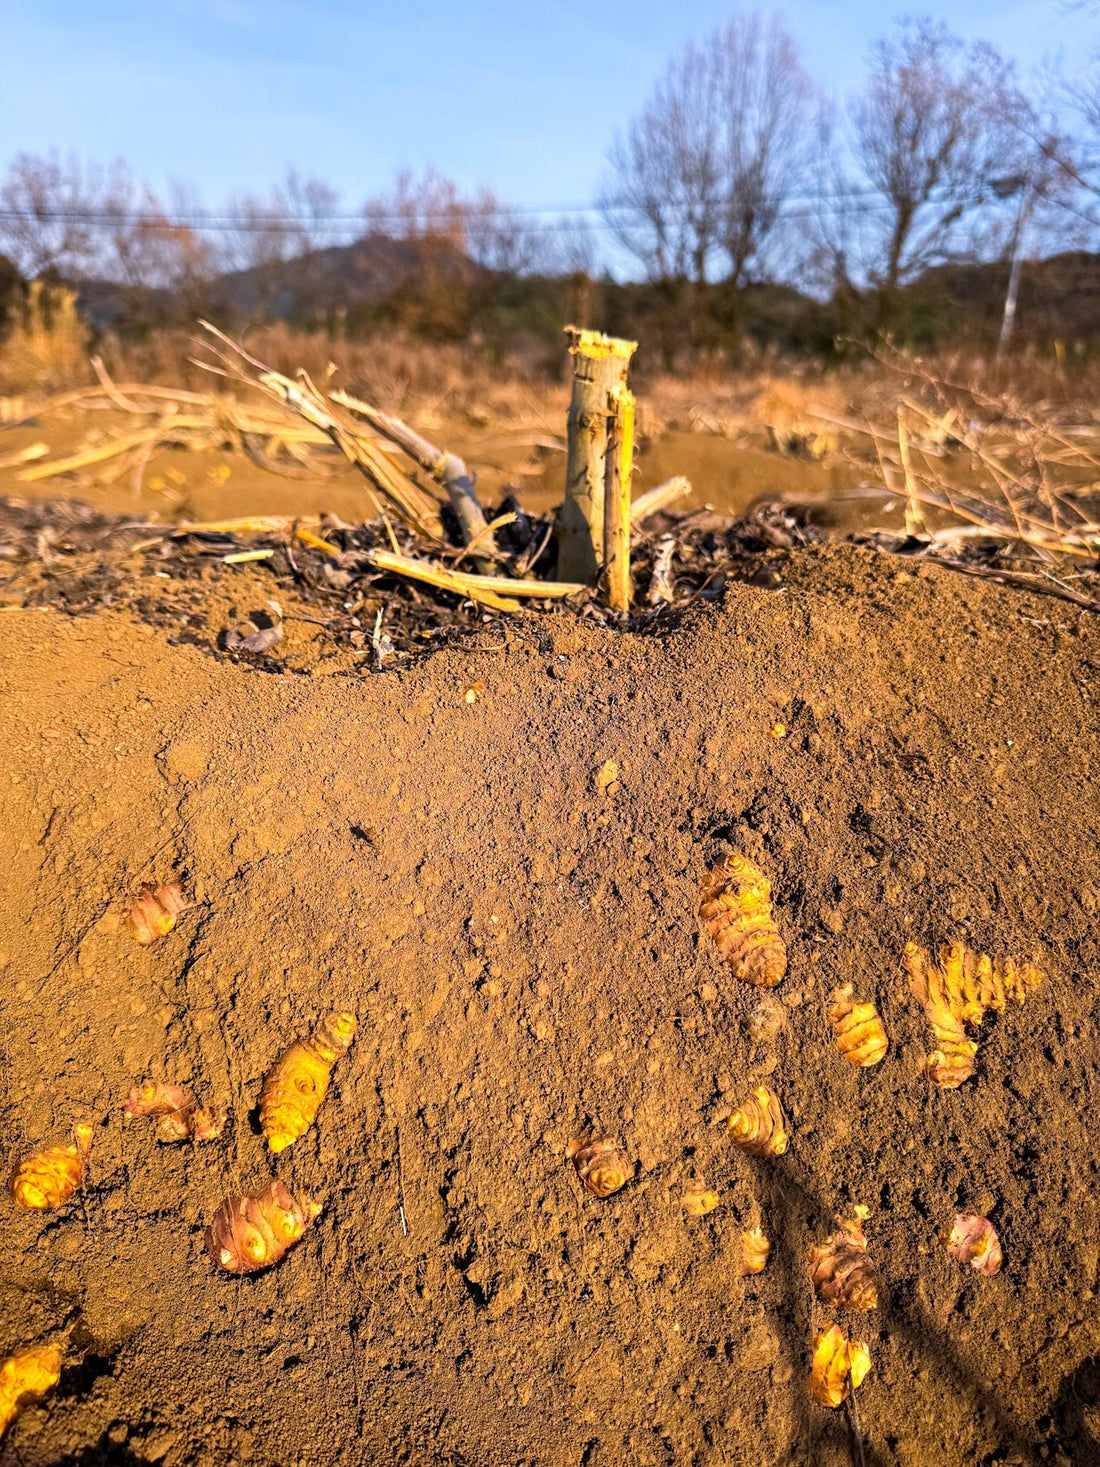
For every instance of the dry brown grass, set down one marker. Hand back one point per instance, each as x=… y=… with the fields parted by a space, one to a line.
x=433 y=381
x=47 y=348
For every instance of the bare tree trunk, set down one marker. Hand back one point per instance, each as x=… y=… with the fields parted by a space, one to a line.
x=599 y=368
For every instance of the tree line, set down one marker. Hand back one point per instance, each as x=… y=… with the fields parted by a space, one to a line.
x=739 y=198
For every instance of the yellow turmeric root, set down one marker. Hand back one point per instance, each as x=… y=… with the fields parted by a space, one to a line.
x=296 y=1084
x=178 y=1117
x=755 y=1251
x=155 y=910
x=25 y=1377
x=839 y=1366
x=49 y=1178
x=253 y=1230
x=860 y=1036
x=841 y=1269
x=758 y=1125
x=955 y=994
x=736 y=910
x=599 y=1164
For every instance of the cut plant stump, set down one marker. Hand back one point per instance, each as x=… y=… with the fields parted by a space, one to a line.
x=619 y=465
x=600 y=366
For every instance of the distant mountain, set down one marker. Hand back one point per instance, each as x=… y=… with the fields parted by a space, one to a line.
x=339 y=278
x=429 y=285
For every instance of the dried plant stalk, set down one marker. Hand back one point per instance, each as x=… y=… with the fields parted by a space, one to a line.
x=736 y=911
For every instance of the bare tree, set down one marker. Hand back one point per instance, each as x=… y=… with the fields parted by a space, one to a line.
x=261 y=240
x=663 y=198
x=52 y=212
x=703 y=172
x=771 y=115
x=420 y=207
x=499 y=238
x=934 y=130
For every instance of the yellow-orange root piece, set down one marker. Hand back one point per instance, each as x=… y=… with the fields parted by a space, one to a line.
x=697 y=1201
x=178 y=1117
x=955 y=994
x=155 y=910
x=25 y=1377
x=296 y=1084
x=736 y=910
x=254 y=1230
x=839 y=1366
x=599 y=1164
x=758 y=1125
x=974 y=1240
x=841 y=1269
x=860 y=1036
x=755 y=1251
x=49 y=1178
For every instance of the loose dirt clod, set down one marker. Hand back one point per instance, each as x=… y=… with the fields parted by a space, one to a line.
x=254 y=1230
x=765 y=1019
x=296 y=1084
x=841 y=1269
x=974 y=1240
x=48 y=1179
x=179 y=1118
x=736 y=910
x=155 y=910
x=25 y=1376
x=600 y=1167
x=860 y=1035
x=758 y=1125
x=839 y=1366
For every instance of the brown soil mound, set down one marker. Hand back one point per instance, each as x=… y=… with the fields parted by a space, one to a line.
x=523 y=953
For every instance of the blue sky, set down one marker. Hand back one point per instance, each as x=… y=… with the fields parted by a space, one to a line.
x=226 y=94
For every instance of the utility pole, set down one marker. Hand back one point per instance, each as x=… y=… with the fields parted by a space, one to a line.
x=1004 y=188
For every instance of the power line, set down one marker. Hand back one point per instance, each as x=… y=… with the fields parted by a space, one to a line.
x=795 y=206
